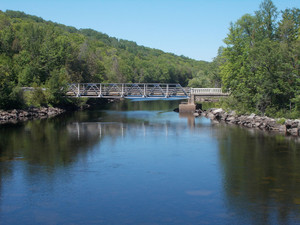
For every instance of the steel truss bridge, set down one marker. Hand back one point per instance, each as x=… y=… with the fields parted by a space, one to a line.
x=138 y=90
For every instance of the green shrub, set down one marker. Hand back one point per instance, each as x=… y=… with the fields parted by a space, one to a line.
x=17 y=98
x=281 y=121
x=35 y=98
x=283 y=113
x=56 y=87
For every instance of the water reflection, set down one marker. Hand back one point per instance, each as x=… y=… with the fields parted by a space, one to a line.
x=113 y=129
x=42 y=142
x=125 y=165
x=62 y=141
x=190 y=119
x=57 y=141
x=263 y=171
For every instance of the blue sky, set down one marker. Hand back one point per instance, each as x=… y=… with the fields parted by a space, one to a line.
x=194 y=28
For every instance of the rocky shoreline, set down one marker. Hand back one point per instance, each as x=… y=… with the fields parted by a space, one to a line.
x=289 y=127
x=16 y=115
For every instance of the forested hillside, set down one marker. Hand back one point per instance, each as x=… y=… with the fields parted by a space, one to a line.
x=39 y=53
x=260 y=64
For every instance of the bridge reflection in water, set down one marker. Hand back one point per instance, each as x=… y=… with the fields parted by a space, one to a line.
x=100 y=129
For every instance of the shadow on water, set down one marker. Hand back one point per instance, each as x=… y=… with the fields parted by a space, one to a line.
x=262 y=170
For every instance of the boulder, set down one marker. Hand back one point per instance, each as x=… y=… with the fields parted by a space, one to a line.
x=295 y=124
x=294 y=131
x=257 y=124
x=218 y=111
x=224 y=116
x=230 y=118
x=282 y=128
x=232 y=113
x=251 y=117
x=253 y=121
x=210 y=116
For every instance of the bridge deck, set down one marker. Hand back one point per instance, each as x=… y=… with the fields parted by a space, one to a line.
x=138 y=90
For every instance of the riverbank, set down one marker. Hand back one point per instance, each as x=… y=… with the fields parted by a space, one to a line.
x=289 y=127
x=21 y=115
x=18 y=115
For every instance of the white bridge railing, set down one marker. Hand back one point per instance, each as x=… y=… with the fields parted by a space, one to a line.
x=208 y=91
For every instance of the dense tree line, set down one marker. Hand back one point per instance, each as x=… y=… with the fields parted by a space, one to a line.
x=39 y=53
x=260 y=64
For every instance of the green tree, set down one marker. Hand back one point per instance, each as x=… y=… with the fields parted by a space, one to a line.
x=260 y=64
x=56 y=86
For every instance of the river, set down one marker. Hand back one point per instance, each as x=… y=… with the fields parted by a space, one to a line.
x=141 y=163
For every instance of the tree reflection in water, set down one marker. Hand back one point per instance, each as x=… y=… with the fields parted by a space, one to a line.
x=57 y=159
x=263 y=170
x=58 y=141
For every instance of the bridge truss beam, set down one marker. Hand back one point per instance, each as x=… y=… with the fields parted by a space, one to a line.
x=127 y=90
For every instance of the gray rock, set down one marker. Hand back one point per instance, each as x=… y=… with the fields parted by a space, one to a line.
x=293 y=131
x=282 y=128
x=224 y=116
x=232 y=113
x=254 y=121
x=203 y=114
x=257 y=124
x=251 y=117
x=218 y=111
x=295 y=124
x=13 y=116
x=230 y=118
x=211 y=116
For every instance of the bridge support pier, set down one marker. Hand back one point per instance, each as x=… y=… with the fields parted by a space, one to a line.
x=188 y=107
x=191 y=100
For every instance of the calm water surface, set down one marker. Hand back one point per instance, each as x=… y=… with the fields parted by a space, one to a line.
x=141 y=163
